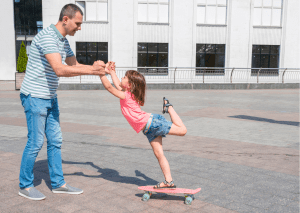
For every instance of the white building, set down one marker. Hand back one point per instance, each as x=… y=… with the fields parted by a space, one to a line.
x=172 y=33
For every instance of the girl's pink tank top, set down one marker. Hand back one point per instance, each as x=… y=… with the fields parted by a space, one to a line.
x=133 y=113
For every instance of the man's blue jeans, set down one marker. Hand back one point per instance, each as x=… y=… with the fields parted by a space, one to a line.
x=42 y=117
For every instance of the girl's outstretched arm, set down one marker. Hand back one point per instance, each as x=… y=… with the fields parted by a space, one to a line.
x=111 y=89
x=114 y=76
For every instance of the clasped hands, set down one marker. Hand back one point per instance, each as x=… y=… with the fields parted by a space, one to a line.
x=108 y=67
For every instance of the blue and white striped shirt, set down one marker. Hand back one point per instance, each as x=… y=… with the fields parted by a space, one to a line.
x=40 y=79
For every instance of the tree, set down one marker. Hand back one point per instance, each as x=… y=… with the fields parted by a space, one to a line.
x=22 y=59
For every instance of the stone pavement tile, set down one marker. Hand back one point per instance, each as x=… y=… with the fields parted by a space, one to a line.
x=11 y=158
x=13 y=121
x=235 y=113
x=242 y=207
x=259 y=203
x=125 y=191
x=131 y=205
x=101 y=202
x=16 y=160
x=283 y=201
x=8 y=175
x=152 y=209
x=9 y=167
x=279 y=208
x=219 y=200
x=215 y=209
x=231 y=151
x=177 y=206
x=108 y=187
x=286 y=170
x=85 y=210
x=11 y=202
x=68 y=207
x=7 y=154
x=7 y=86
x=33 y=206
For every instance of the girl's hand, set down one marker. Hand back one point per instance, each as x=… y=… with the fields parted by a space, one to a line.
x=113 y=66
x=108 y=68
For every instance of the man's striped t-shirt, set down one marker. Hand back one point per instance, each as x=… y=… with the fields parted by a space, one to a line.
x=40 y=79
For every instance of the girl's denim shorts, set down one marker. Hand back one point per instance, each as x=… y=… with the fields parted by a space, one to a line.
x=159 y=127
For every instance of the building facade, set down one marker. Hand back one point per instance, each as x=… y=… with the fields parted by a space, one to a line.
x=170 y=33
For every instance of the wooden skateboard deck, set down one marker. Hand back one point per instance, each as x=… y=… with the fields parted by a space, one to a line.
x=187 y=192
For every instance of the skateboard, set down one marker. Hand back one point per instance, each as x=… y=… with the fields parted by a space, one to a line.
x=189 y=193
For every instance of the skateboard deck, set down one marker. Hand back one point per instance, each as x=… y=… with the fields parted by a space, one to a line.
x=187 y=192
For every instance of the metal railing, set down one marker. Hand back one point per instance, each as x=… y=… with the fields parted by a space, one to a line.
x=202 y=75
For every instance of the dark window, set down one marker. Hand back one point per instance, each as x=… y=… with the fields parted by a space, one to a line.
x=208 y=56
x=265 y=56
x=28 y=17
x=89 y=52
x=28 y=21
x=153 y=55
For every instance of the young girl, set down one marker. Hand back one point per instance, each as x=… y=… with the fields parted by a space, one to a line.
x=131 y=91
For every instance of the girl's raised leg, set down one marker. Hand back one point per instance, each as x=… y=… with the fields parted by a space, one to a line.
x=177 y=128
x=162 y=160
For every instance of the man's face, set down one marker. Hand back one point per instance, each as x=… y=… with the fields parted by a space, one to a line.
x=74 y=24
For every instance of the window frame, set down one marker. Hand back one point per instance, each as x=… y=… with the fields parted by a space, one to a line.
x=205 y=5
x=262 y=7
x=268 y=72
x=86 y=52
x=158 y=3
x=148 y=70
x=200 y=70
x=84 y=10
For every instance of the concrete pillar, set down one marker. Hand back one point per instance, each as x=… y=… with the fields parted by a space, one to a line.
x=122 y=38
x=290 y=45
x=8 y=50
x=182 y=41
x=239 y=23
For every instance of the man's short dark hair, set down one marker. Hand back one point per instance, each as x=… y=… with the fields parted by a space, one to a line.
x=69 y=10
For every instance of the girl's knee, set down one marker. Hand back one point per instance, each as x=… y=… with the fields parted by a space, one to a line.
x=182 y=131
x=158 y=154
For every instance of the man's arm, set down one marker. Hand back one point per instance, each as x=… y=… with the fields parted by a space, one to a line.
x=72 y=61
x=62 y=70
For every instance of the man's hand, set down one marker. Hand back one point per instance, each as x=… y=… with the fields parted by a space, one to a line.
x=99 y=66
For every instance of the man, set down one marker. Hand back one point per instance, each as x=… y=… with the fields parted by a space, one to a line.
x=50 y=57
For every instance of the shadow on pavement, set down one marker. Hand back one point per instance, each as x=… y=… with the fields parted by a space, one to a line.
x=41 y=172
x=246 y=117
x=113 y=175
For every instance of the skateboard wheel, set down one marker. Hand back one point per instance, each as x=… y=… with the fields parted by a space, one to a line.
x=146 y=197
x=188 y=200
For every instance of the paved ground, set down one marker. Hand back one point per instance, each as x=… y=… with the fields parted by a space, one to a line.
x=242 y=149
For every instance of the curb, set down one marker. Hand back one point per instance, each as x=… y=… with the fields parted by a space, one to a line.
x=168 y=86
